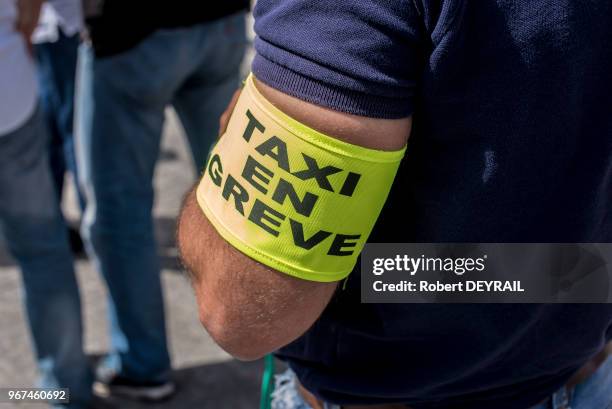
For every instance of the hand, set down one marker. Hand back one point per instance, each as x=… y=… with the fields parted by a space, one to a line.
x=28 y=12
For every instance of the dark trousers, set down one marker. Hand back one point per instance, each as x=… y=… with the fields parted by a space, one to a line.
x=56 y=74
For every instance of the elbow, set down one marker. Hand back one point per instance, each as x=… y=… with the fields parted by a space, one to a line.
x=233 y=334
x=205 y=257
x=248 y=309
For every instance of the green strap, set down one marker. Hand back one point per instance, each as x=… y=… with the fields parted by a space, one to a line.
x=266 y=383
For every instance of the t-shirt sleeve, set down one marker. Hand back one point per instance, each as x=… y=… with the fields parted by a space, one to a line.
x=361 y=57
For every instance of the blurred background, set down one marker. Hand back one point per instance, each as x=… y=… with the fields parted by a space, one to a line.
x=206 y=377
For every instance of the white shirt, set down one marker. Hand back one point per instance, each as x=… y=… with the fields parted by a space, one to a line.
x=18 y=86
x=56 y=14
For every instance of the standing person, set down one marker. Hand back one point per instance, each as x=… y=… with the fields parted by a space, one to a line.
x=56 y=42
x=504 y=109
x=30 y=216
x=141 y=59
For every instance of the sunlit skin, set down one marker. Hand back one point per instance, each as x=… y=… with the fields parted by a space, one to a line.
x=250 y=309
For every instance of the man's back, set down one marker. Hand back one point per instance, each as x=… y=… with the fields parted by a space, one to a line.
x=513 y=126
x=512 y=142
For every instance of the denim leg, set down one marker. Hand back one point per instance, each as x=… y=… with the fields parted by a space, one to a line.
x=56 y=74
x=119 y=125
x=208 y=89
x=49 y=101
x=32 y=223
x=595 y=392
x=286 y=394
x=561 y=399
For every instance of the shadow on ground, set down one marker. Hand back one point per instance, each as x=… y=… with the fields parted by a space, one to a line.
x=226 y=385
x=5 y=258
x=165 y=234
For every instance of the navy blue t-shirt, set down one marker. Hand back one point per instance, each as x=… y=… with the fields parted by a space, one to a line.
x=511 y=142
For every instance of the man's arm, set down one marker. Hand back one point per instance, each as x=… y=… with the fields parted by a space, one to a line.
x=250 y=309
x=28 y=12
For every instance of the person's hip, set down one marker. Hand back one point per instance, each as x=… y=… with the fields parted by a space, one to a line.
x=589 y=385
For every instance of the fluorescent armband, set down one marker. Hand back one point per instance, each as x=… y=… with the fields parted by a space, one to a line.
x=292 y=198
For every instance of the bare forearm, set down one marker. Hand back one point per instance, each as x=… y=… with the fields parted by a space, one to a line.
x=248 y=308
x=28 y=13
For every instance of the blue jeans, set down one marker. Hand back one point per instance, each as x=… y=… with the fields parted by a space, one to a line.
x=56 y=75
x=35 y=232
x=594 y=393
x=120 y=114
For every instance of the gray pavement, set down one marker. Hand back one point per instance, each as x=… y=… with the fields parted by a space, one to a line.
x=207 y=377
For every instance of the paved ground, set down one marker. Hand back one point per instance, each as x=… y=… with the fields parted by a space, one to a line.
x=207 y=377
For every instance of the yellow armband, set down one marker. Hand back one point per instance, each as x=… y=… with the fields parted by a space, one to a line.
x=290 y=197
